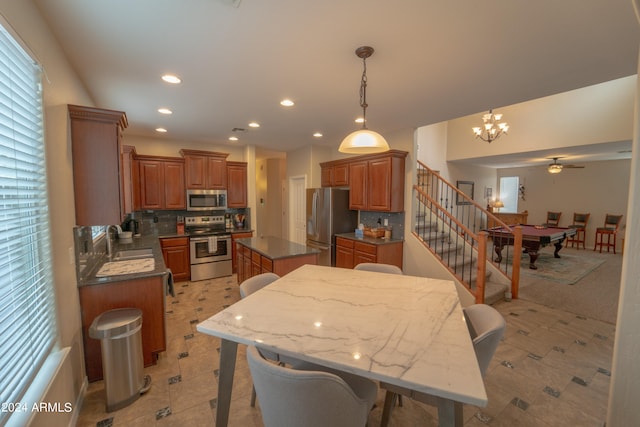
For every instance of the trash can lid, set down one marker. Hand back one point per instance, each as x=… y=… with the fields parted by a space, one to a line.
x=115 y=322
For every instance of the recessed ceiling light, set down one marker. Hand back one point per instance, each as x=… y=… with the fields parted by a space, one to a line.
x=170 y=78
x=287 y=103
x=317 y=135
x=254 y=125
x=233 y=138
x=164 y=111
x=161 y=130
x=360 y=120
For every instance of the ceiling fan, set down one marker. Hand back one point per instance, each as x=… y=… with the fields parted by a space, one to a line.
x=556 y=167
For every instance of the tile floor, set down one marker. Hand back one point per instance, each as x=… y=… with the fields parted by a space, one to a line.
x=552 y=369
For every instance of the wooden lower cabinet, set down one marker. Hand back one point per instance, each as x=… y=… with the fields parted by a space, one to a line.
x=234 y=254
x=146 y=294
x=350 y=252
x=175 y=251
x=251 y=263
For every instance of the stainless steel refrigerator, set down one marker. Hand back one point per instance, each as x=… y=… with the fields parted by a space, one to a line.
x=328 y=214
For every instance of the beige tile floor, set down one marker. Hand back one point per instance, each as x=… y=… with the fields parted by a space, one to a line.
x=552 y=369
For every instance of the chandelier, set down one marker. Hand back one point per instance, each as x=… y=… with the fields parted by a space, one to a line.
x=364 y=141
x=492 y=127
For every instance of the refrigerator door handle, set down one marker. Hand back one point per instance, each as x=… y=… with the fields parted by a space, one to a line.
x=314 y=212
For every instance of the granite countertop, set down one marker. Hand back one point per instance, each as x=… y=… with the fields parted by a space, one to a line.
x=143 y=242
x=368 y=239
x=276 y=248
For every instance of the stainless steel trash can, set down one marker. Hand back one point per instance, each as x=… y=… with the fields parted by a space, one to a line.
x=119 y=332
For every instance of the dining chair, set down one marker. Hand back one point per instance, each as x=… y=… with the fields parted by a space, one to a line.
x=610 y=228
x=255 y=283
x=486 y=327
x=378 y=267
x=249 y=286
x=310 y=398
x=580 y=221
x=553 y=219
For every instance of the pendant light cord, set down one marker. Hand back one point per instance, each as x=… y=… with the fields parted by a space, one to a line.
x=363 y=93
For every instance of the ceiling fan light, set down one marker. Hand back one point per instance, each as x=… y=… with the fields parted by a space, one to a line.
x=554 y=168
x=363 y=141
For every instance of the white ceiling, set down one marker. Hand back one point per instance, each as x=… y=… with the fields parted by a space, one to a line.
x=434 y=60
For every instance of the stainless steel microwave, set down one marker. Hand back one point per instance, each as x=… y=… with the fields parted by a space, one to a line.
x=206 y=200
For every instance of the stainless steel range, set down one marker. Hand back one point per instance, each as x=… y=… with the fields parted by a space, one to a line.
x=210 y=246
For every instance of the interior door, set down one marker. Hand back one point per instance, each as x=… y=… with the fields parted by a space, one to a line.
x=297 y=209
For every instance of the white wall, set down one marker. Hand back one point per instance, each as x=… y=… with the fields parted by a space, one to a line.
x=60 y=87
x=598 y=189
x=625 y=374
x=591 y=115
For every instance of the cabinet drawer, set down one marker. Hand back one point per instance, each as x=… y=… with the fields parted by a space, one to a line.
x=267 y=264
x=255 y=257
x=178 y=241
x=365 y=247
x=346 y=243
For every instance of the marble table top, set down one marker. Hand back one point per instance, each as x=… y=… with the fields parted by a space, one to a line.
x=404 y=330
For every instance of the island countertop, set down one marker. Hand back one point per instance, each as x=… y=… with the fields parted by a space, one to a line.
x=276 y=248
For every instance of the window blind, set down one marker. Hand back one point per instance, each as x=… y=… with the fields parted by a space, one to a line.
x=27 y=306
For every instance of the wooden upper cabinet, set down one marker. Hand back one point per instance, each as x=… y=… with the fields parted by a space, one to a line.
x=358 y=185
x=174 y=188
x=205 y=170
x=236 y=184
x=196 y=171
x=334 y=175
x=375 y=181
x=151 y=183
x=217 y=172
x=96 y=143
x=161 y=183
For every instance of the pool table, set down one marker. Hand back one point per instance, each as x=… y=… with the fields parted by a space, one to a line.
x=534 y=237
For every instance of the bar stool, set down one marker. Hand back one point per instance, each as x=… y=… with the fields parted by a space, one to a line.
x=580 y=224
x=553 y=219
x=611 y=224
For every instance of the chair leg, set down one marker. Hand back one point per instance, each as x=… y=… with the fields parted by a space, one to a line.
x=389 y=402
x=253 y=396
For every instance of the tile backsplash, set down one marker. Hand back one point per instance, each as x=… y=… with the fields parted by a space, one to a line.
x=395 y=219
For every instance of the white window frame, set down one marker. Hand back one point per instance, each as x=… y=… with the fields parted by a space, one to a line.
x=28 y=324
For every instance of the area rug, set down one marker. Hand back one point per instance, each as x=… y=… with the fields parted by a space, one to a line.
x=566 y=270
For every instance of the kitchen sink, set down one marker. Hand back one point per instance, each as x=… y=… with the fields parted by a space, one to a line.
x=133 y=254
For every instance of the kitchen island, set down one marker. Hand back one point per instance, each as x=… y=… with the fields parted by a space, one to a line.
x=258 y=255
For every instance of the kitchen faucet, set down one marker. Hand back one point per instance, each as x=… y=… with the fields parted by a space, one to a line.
x=108 y=237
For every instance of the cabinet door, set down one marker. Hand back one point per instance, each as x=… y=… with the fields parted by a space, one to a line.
x=174 y=189
x=341 y=175
x=236 y=254
x=344 y=257
x=326 y=176
x=176 y=258
x=151 y=184
x=379 y=184
x=237 y=185
x=95 y=148
x=358 y=185
x=246 y=267
x=216 y=173
x=195 y=171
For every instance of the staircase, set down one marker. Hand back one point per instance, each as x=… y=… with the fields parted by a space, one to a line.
x=454 y=234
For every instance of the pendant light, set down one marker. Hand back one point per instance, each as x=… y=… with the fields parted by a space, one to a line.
x=364 y=141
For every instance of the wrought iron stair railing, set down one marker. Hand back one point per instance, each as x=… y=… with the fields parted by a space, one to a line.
x=453 y=227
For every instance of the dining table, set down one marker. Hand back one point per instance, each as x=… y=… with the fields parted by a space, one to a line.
x=403 y=330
